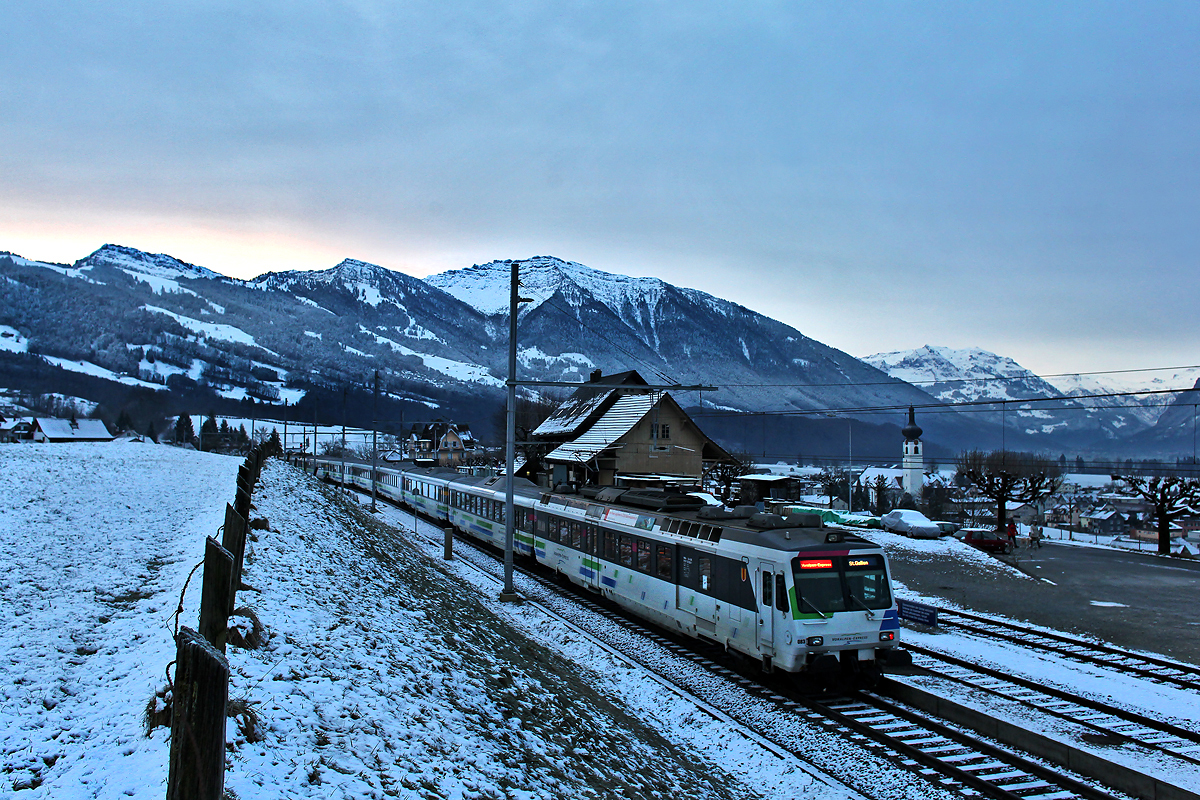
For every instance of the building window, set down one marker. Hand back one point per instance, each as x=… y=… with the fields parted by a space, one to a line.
x=660 y=430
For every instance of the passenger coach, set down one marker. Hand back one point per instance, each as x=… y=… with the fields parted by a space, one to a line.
x=790 y=593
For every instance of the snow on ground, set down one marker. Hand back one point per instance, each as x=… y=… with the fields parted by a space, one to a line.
x=88 y=368
x=12 y=340
x=385 y=673
x=97 y=540
x=212 y=330
x=382 y=675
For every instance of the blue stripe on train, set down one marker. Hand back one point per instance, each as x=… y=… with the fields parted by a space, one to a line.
x=609 y=582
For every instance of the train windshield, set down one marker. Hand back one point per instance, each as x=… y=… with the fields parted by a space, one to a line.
x=828 y=584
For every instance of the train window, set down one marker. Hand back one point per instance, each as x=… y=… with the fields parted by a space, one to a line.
x=610 y=545
x=662 y=562
x=706 y=583
x=768 y=584
x=672 y=526
x=818 y=586
x=626 y=554
x=643 y=555
x=781 y=598
x=576 y=535
x=866 y=580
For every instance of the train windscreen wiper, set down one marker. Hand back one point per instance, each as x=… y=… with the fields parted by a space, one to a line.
x=870 y=613
x=808 y=603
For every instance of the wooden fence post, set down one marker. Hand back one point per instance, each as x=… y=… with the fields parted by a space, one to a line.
x=201 y=693
x=233 y=539
x=241 y=503
x=214 y=597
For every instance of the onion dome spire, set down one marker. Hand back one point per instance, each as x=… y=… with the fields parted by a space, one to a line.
x=911 y=431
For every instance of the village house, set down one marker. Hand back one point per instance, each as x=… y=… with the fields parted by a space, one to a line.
x=16 y=429
x=438 y=444
x=600 y=435
x=755 y=488
x=1106 y=521
x=46 y=429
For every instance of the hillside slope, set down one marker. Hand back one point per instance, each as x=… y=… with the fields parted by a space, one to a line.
x=382 y=675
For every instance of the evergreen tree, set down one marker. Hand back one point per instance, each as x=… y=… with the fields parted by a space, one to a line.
x=124 y=423
x=208 y=433
x=273 y=444
x=880 y=487
x=151 y=433
x=184 y=432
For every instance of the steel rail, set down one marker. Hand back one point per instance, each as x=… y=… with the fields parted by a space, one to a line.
x=1082 y=703
x=1080 y=649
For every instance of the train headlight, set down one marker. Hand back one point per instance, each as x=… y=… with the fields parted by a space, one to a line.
x=815 y=641
x=887 y=636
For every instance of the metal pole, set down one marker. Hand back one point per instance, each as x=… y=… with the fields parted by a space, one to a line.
x=342 y=449
x=508 y=594
x=850 y=467
x=374 y=440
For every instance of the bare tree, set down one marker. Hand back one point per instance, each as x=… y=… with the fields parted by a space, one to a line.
x=832 y=481
x=1004 y=476
x=725 y=473
x=1171 y=496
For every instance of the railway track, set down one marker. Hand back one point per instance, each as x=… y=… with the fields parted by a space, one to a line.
x=1160 y=670
x=940 y=754
x=1110 y=724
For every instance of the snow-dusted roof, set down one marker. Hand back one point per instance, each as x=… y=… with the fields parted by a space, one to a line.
x=615 y=423
x=767 y=478
x=83 y=430
x=567 y=418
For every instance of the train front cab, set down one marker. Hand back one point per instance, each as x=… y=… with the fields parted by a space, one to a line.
x=842 y=610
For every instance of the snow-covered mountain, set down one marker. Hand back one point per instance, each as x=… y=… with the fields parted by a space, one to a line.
x=1036 y=406
x=151 y=322
x=959 y=376
x=581 y=318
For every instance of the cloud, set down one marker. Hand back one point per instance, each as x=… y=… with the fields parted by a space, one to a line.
x=1009 y=176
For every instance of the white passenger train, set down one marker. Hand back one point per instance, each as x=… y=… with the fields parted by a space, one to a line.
x=789 y=593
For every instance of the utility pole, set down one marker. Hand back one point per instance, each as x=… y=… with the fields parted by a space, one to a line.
x=342 y=449
x=508 y=593
x=375 y=440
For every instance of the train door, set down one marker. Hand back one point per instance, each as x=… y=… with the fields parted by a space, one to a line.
x=766 y=607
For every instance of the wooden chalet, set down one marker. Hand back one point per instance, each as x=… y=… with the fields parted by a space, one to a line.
x=605 y=436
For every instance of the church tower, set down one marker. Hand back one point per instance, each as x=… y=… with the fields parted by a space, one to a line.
x=914 y=461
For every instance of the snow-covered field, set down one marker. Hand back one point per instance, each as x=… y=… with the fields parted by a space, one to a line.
x=386 y=672
x=383 y=675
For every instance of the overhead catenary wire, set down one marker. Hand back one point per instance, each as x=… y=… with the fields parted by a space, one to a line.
x=923 y=381
x=944 y=405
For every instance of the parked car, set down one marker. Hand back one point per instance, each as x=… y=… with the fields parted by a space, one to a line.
x=985 y=539
x=910 y=523
x=947 y=528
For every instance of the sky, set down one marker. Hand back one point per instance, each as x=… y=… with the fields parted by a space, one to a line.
x=1017 y=176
